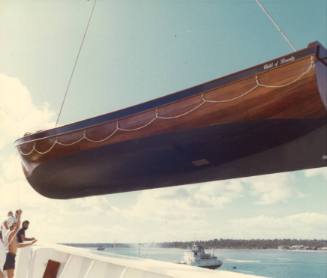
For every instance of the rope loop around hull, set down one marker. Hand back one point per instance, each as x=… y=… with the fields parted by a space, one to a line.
x=157 y=116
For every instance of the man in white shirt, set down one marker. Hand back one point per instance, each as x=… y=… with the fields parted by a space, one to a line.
x=7 y=223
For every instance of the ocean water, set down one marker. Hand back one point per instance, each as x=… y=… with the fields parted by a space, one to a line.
x=269 y=263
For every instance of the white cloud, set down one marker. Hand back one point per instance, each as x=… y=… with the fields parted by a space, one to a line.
x=307 y=225
x=217 y=194
x=186 y=201
x=181 y=213
x=318 y=172
x=273 y=189
x=18 y=114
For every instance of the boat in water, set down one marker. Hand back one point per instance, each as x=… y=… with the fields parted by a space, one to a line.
x=101 y=248
x=198 y=257
x=256 y=121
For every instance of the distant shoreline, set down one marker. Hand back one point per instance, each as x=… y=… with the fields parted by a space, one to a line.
x=255 y=244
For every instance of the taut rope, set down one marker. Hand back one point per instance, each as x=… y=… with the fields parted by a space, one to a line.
x=265 y=11
x=75 y=63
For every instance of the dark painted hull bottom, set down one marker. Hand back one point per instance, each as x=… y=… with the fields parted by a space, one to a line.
x=211 y=267
x=213 y=153
x=208 y=267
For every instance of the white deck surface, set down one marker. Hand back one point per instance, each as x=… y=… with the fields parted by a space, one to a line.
x=81 y=263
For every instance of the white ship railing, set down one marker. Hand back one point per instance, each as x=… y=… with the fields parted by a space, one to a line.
x=81 y=263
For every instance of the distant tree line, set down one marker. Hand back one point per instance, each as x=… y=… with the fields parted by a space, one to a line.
x=217 y=244
x=247 y=244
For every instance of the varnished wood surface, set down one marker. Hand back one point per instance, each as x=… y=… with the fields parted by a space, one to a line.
x=314 y=48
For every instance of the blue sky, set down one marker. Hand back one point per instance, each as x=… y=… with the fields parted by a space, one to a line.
x=136 y=51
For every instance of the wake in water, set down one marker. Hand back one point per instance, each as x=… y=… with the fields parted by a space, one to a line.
x=242 y=261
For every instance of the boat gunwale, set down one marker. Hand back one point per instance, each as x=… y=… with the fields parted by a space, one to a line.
x=313 y=49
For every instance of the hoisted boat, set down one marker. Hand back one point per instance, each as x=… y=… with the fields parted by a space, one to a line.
x=265 y=119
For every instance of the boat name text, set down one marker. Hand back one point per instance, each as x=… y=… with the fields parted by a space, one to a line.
x=278 y=62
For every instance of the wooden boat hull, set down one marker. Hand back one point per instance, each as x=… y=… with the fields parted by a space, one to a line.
x=241 y=125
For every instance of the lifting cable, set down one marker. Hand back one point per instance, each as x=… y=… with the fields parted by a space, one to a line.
x=265 y=11
x=75 y=63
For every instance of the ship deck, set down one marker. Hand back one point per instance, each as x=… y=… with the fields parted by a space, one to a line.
x=69 y=262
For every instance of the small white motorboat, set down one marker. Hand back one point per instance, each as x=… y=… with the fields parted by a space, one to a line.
x=198 y=257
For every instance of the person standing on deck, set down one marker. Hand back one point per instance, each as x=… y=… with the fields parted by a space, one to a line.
x=21 y=233
x=12 y=244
